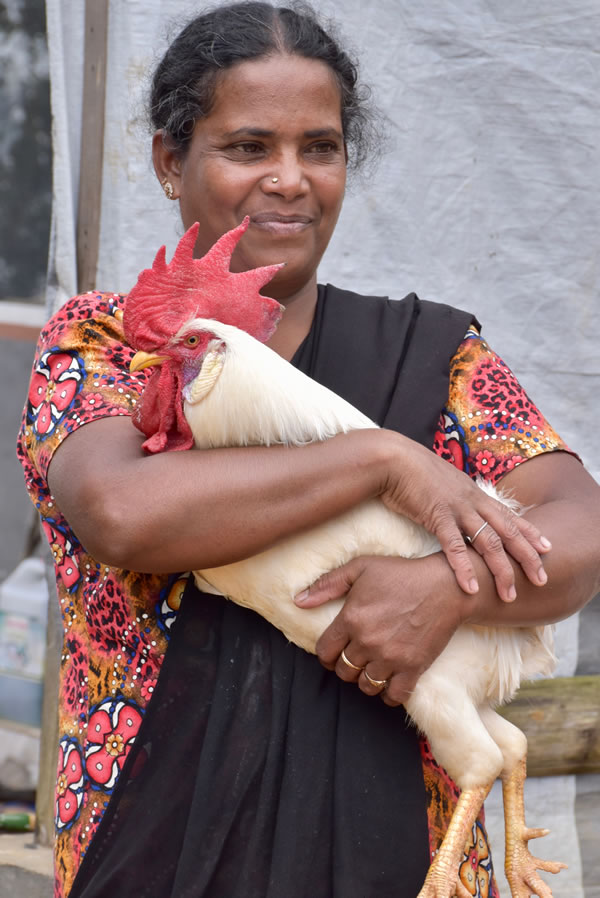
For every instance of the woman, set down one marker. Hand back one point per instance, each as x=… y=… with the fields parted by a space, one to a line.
x=253 y=771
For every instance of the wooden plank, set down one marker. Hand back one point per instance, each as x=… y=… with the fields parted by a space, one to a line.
x=92 y=142
x=10 y=331
x=21 y=320
x=561 y=719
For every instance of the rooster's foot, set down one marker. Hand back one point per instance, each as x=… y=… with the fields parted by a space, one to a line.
x=522 y=867
x=441 y=882
x=442 y=877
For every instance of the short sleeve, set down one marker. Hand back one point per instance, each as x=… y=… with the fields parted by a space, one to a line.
x=490 y=425
x=80 y=373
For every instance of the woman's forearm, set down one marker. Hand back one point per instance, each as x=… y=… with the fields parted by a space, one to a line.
x=203 y=508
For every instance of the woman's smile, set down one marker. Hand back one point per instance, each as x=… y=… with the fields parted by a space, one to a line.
x=278 y=224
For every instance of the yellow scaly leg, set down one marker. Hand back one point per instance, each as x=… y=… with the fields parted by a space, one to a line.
x=520 y=865
x=441 y=880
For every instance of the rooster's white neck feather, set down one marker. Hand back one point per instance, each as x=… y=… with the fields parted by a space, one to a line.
x=274 y=402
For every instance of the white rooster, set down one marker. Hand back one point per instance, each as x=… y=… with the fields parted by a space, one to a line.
x=218 y=386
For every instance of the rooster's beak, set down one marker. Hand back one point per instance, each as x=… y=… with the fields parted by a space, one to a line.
x=145 y=360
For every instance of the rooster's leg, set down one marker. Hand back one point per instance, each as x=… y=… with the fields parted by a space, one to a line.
x=441 y=880
x=520 y=865
x=461 y=743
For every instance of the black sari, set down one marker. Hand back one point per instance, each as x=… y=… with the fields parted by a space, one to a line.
x=256 y=773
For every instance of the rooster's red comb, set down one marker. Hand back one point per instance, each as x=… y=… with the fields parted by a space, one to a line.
x=166 y=296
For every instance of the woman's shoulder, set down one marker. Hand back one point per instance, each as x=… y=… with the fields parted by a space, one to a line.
x=428 y=309
x=80 y=373
x=82 y=309
x=429 y=327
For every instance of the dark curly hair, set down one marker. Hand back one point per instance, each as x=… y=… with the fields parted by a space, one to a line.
x=183 y=85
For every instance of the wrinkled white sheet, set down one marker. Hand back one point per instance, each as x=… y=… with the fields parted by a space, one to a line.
x=489 y=198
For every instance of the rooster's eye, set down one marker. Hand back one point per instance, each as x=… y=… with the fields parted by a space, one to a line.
x=192 y=340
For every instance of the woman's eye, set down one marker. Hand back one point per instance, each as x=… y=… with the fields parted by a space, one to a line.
x=248 y=148
x=323 y=148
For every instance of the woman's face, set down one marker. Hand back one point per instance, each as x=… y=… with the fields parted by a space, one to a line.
x=274 y=117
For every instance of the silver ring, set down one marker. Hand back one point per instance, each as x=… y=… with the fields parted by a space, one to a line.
x=378 y=684
x=471 y=539
x=348 y=663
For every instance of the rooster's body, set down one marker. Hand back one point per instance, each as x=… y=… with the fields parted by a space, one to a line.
x=238 y=392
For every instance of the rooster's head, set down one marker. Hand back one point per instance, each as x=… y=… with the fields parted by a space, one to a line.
x=156 y=319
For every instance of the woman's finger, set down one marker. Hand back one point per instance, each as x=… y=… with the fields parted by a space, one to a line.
x=491 y=548
x=398 y=690
x=333 y=585
x=372 y=681
x=498 y=532
x=494 y=531
x=332 y=643
x=522 y=540
x=346 y=669
x=455 y=549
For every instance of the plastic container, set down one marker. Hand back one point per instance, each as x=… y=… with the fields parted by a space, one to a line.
x=23 y=615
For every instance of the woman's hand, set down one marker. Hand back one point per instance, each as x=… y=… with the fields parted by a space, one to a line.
x=397 y=618
x=450 y=505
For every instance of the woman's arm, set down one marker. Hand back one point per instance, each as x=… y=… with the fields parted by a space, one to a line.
x=190 y=510
x=399 y=614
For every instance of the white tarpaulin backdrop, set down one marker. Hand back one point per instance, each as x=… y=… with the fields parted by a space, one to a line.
x=489 y=199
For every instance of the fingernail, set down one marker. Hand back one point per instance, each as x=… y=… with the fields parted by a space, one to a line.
x=301 y=597
x=473 y=585
x=545 y=542
x=512 y=594
x=542 y=575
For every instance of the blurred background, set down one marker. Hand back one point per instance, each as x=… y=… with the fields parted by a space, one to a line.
x=25 y=205
x=25 y=209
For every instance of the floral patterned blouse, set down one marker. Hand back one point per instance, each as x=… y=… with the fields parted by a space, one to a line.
x=116 y=622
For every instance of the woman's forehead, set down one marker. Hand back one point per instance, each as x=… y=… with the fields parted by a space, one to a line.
x=254 y=91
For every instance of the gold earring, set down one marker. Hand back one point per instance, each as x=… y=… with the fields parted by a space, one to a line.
x=168 y=188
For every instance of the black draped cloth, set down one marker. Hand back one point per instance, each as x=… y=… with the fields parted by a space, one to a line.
x=256 y=773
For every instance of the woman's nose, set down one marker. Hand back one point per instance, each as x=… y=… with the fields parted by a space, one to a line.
x=287 y=178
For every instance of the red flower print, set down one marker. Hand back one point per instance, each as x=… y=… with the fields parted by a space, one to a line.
x=70 y=783
x=57 y=379
x=63 y=554
x=485 y=462
x=112 y=729
x=93 y=400
x=148 y=688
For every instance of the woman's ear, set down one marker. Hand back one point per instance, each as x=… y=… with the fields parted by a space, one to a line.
x=167 y=165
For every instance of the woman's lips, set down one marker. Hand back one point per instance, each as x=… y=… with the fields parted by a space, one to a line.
x=280 y=224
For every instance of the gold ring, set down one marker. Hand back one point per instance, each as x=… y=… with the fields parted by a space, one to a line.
x=379 y=684
x=348 y=663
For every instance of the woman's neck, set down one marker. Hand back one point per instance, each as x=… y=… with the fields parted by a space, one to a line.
x=296 y=321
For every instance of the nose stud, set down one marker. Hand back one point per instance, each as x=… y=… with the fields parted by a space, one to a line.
x=274 y=180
